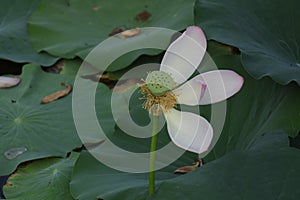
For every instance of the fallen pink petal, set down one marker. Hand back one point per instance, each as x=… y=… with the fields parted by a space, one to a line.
x=7 y=82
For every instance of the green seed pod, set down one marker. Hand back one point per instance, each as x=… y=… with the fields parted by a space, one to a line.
x=159 y=82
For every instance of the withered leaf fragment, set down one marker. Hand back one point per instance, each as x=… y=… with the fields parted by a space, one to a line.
x=116 y=31
x=129 y=33
x=94 y=145
x=58 y=94
x=186 y=169
x=127 y=84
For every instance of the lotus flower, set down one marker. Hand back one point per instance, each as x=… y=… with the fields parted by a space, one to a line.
x=169 y=86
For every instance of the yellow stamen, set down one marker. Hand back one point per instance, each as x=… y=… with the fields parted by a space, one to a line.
x=155 y=104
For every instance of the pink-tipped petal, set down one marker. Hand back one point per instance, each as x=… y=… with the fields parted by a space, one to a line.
x=189 y=131
x=190 y=92
x=6 y=82
x=185 y=54
x=220 y=85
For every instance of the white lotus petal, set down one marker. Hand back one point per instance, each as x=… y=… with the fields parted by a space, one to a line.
x=220 y=85
x=190 y=92
x=185 y=54
x=189 y=131
x=6 y=82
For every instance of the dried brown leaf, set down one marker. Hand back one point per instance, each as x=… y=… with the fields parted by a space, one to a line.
x=101 y=77
x=186 y=169
x=94 y=145
x=116 y=31
x=127 y=84
x=129 y=33
x=58 y=94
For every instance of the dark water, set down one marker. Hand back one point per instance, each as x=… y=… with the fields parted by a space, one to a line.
x=2 y=182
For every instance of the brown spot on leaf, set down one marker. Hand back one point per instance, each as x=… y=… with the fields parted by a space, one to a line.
x=8 y=184
x=95 y=8
x=116 y=31
x=58 y=94
x=143 y=16
x=13 y=174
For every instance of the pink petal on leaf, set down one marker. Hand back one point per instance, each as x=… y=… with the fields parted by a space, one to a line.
x=6 y=82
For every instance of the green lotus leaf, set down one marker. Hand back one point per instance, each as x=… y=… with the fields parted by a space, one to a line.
x=14 y=39
x=107 y=183
x=73 y=28
x=42 y=179
x=71 y=67
x=267 y=170
x=260 y=106
x=266 y=32
x=30 y=130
